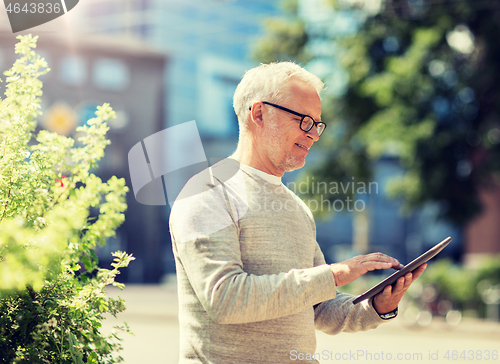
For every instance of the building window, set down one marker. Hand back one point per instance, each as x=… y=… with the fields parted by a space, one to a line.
x=111 y=74
x=218 y=79
x=103 y=8
x=142 y=30
x=139 y=5
x=73 y=70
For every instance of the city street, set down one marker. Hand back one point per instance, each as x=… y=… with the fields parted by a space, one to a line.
x=152 y=316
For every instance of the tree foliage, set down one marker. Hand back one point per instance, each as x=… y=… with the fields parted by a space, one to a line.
x=422 y=88
x=52 y=292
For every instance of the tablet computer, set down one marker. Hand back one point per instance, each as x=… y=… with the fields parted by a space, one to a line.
x=410 y=267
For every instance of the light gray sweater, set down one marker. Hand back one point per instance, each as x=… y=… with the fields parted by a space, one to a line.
x=252 y=280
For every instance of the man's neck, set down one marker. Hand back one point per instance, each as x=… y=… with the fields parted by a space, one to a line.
x=247 y=155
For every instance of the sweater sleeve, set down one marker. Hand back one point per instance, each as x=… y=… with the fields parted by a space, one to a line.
x=205 y=239
x=340 y=314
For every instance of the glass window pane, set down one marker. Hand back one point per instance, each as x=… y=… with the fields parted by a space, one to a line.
x=111 y=74
x=73 y=70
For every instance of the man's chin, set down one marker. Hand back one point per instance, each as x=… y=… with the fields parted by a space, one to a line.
x=294 y=164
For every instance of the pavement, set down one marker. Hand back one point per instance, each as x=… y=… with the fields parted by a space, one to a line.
x=152 y=316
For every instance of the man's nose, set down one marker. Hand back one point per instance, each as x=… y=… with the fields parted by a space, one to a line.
x=313 y=133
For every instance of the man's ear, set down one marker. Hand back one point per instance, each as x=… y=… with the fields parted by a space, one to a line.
x=257 y=114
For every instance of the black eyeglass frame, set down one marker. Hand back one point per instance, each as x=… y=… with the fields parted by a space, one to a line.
x=302 y=117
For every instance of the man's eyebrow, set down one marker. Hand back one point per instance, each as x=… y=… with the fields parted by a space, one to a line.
x=317 y=120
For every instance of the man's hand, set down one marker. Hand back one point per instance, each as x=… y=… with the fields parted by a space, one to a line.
x=388 y=299
x=349 y=270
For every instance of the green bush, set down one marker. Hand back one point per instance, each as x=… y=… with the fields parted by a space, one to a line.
x=453 y=282
x=460 y=285
x=52 y=292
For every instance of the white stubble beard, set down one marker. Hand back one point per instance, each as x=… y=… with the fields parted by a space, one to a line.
x=272 y=143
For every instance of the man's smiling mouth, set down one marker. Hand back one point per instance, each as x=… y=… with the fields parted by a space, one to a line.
x=302 y=146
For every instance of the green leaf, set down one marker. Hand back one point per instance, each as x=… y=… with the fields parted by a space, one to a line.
x=92 y=358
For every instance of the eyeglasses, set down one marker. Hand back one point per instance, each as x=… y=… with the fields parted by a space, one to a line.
x=306 y=122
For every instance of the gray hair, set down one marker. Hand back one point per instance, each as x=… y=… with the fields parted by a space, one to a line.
x=267 y=83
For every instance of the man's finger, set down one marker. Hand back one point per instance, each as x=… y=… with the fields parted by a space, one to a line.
x=400 y=284
x=417 y=272
x=371 y=265
x=408 y=280
x=387 y=291
x=380 y=257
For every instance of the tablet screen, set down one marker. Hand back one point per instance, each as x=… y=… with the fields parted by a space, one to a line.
x=407 y=268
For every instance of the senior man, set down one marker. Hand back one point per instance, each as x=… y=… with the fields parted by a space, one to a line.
x=253 y=283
